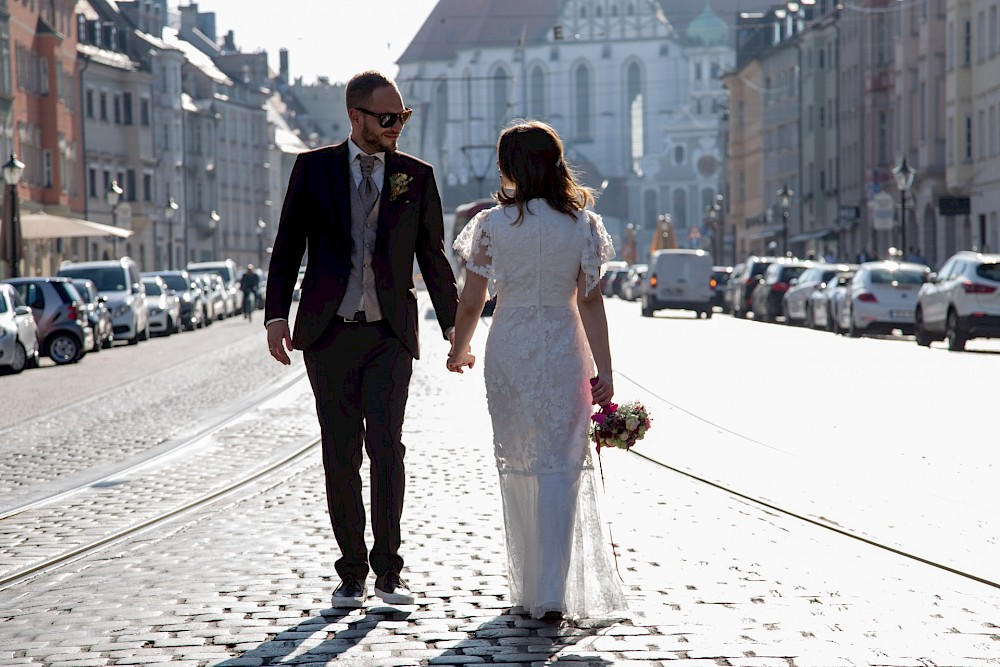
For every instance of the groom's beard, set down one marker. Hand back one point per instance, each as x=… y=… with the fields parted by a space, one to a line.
x=385 y=141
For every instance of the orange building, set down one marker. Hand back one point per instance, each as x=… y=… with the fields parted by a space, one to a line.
x=42 y=123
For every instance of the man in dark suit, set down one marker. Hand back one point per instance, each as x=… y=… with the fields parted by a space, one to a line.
x=363 y=212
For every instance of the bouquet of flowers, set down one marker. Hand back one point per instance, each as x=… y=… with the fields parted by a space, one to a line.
x=619 y=425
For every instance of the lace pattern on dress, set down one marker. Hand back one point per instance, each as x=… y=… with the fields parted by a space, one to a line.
x=597 y=252
x=475 y=245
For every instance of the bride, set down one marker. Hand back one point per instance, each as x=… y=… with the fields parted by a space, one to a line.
x=542 y=252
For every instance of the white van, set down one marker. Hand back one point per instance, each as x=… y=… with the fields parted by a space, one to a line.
x=226 y=269
x=681 y=279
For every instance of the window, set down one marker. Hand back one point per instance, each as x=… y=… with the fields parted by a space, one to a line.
x=130 y=190
x=501 y=103
x=104 y=106
x=636 y=115
x=127 y=108
x=581 y=101
x=46 y=168
x=5 y=80
x=107 y=180
x=92 y=183
x=43 y=76
x=147 y=187
x=537 y=105
x=118 y=109
x=967 y=45
x=88 y=103
x=144 y=112
x=968 y=138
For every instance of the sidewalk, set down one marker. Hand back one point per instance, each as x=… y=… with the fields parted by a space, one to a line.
x=711 y=580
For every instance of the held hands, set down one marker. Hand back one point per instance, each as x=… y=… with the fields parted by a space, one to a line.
x=458 y=360
x=279 y=339
x=602 y=389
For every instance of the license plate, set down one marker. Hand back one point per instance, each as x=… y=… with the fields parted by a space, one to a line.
x=901 y=314
x=674 y=290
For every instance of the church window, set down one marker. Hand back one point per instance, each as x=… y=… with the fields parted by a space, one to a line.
x=581 y=105
x=441 y=114
x=679 y=155
x=679 y=214
x=537 y=83
x=501 y=100
x=636 y=115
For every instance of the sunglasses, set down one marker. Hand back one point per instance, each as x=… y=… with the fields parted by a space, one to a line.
x=387 y=120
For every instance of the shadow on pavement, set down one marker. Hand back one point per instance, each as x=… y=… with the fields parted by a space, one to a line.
x=508 y=638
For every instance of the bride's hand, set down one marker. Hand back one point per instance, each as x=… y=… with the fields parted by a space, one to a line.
x=602 y=389
x=458 y=360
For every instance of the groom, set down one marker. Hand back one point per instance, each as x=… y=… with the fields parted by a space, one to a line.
x=363 y=212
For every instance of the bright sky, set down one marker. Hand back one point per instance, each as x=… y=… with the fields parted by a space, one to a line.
x=334 y=38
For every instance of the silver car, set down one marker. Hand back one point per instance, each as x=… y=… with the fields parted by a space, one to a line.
x=882 y=297
x=163 y=306
x=18 y=333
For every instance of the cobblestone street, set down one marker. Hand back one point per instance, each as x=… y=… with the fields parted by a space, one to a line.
x=711 y=579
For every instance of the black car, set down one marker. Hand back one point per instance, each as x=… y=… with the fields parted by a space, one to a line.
x=193 y=300
x=741 y=285
x=97 y=314
x=769 y=292
x=720 y=278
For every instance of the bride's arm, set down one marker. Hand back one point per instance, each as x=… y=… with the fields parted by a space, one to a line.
x=470 y=308
x=595 y=324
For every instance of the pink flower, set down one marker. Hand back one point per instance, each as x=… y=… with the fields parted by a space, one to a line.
x=599 y=417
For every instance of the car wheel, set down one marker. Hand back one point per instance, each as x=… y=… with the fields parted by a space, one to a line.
x=18 y=361
x=64 y=349
x=647 y=309
x=919 y=332
x=708 y=314
x=956 y=338
x=852 y=329
x=108 y=341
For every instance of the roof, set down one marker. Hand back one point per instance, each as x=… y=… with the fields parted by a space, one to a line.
x=107 y=57
x=455 y=25
x=195 y=57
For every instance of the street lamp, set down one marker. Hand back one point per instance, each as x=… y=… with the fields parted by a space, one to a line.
x=785 y=195
x=12 y=171
x=114 y=197
x=261 y=226
x=213 y=225
x=714 y=214
x=904 y=174
x=168 y=213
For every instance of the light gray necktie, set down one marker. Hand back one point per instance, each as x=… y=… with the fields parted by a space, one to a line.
x=367 y=189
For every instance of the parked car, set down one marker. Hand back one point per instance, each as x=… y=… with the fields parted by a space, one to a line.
x=64 y=335
x=729 y=288
x=720 y=278
x=120 y=282
x=18 y=332
x=193 y=302
x=960 y=302
x=98 y=314
x=768 y=294
x=634 y=282
x=611 y=271
x=824 y=307
x=740 y=288
x=216 y=294
x=795 y=304
x=227 y=271
x=164 y=307
x=882 y=297
x=679 y=278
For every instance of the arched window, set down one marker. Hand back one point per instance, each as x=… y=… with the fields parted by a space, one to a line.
x=537 y=99
x=679 y=155
x=680 y=209
x=598 y=12
x=583 y=11
x=634 y=108
x=582 y=97
x=650 y=209
x=467 y=85
x=501 y=100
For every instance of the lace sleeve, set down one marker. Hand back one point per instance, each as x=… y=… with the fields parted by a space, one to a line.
x=597 y=251
x=475 y=246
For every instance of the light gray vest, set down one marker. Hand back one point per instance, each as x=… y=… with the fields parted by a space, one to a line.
x=361 y=293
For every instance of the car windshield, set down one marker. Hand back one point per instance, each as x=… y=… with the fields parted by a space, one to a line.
x=758 y=269
x=3 y=303
x=152 y=287
x=175 y=282
x=898 y=276
x=83 y=289
x=789 y=272
x=72 y=292
x=989 y=271
x=107 y=279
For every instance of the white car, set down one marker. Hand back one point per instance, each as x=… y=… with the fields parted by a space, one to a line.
x=961 y=301
x=825 y=306
x=794 y=303
x=120 y=282
x=18 y=332
x=163 y=305
x=882 y=297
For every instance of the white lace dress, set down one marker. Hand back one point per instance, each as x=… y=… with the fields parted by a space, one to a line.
x=537 y=368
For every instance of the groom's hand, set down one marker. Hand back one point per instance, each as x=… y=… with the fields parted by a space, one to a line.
x=458 y=360
x=279 y=338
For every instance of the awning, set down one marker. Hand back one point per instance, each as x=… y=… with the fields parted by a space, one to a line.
x=809 y=236
x=47 y=226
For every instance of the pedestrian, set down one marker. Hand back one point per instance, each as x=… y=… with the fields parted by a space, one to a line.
x=540 y=356
x=363 y=211
x=249 y=284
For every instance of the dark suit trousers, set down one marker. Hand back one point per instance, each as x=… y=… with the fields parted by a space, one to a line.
x=360 y=375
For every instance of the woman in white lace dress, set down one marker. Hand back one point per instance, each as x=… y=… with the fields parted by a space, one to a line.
x=542 y=252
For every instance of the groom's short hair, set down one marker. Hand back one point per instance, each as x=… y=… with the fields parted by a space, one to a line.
x=362 y=85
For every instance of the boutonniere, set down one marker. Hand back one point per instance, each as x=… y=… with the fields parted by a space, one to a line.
x=399 y=184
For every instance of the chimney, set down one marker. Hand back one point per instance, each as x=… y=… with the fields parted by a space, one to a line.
x=283 y=66
x=229 y=43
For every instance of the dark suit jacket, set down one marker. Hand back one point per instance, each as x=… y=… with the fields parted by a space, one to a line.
x=316 y=217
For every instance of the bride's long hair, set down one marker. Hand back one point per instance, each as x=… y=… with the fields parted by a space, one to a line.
x=530 y=157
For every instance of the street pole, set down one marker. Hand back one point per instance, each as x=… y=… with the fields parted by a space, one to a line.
x=12 y=171
x=114 y=197
x=169 y=213
x=784 y=232
x=785 y=195
x=904 y=174
x=902 y=226
x=261 y=226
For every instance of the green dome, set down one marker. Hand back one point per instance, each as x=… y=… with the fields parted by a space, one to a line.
x=707 y=29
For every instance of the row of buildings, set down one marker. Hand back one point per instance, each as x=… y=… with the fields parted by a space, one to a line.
x=141 y=134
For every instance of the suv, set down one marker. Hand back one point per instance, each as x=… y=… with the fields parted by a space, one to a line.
x=119 y=281
x=740 y=286
x=64 y=335
x=961 y=301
